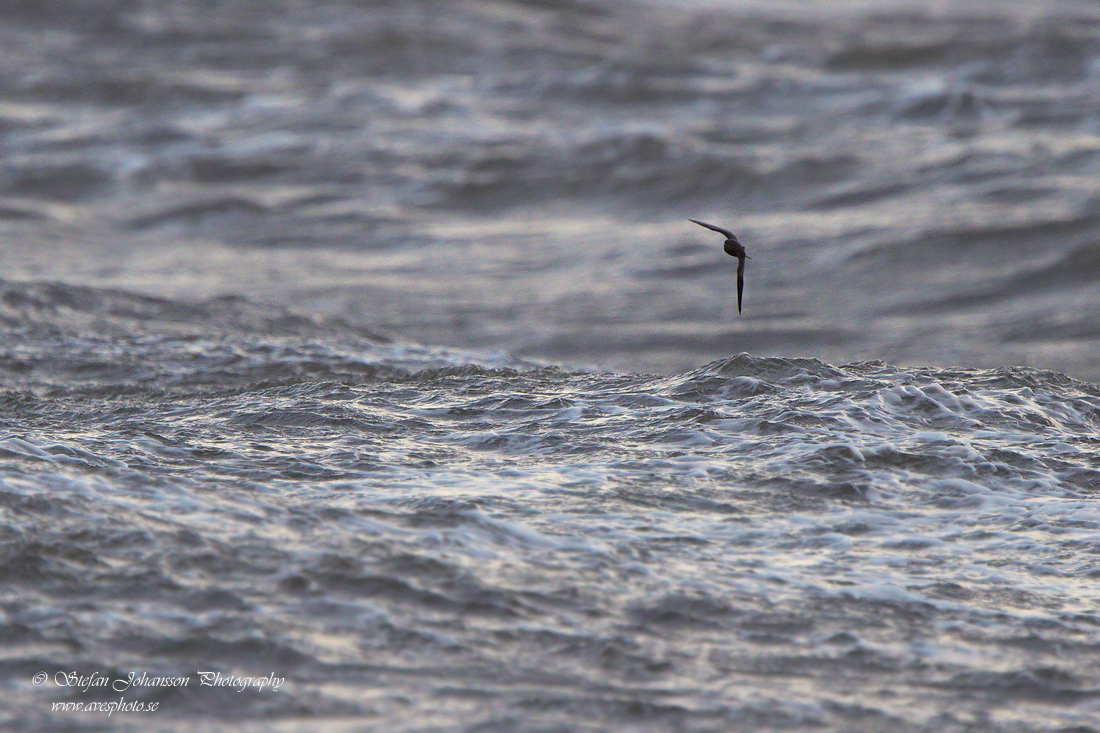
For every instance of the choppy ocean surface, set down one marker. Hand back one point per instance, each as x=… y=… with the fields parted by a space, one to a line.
x=367 y=346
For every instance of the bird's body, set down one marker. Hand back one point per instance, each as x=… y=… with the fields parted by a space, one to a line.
x=734 y=249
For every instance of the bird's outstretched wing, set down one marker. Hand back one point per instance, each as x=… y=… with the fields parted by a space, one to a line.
x=720 y=230
x=740 y=281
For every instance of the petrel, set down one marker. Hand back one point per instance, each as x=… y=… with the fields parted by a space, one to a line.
x=734 y=249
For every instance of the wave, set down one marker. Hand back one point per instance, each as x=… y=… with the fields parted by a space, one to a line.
x=634 y=170
x=77 y=308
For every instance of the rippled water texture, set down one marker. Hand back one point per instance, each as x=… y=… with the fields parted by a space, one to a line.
x=916 y=182
x=368 y=345
x=418 y=541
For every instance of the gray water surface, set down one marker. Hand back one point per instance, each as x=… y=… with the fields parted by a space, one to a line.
x=367 y=346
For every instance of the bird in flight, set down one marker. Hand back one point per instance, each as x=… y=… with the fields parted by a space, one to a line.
x=734 y=249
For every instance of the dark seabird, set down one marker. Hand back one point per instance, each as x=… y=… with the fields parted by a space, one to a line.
x=734 y=249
